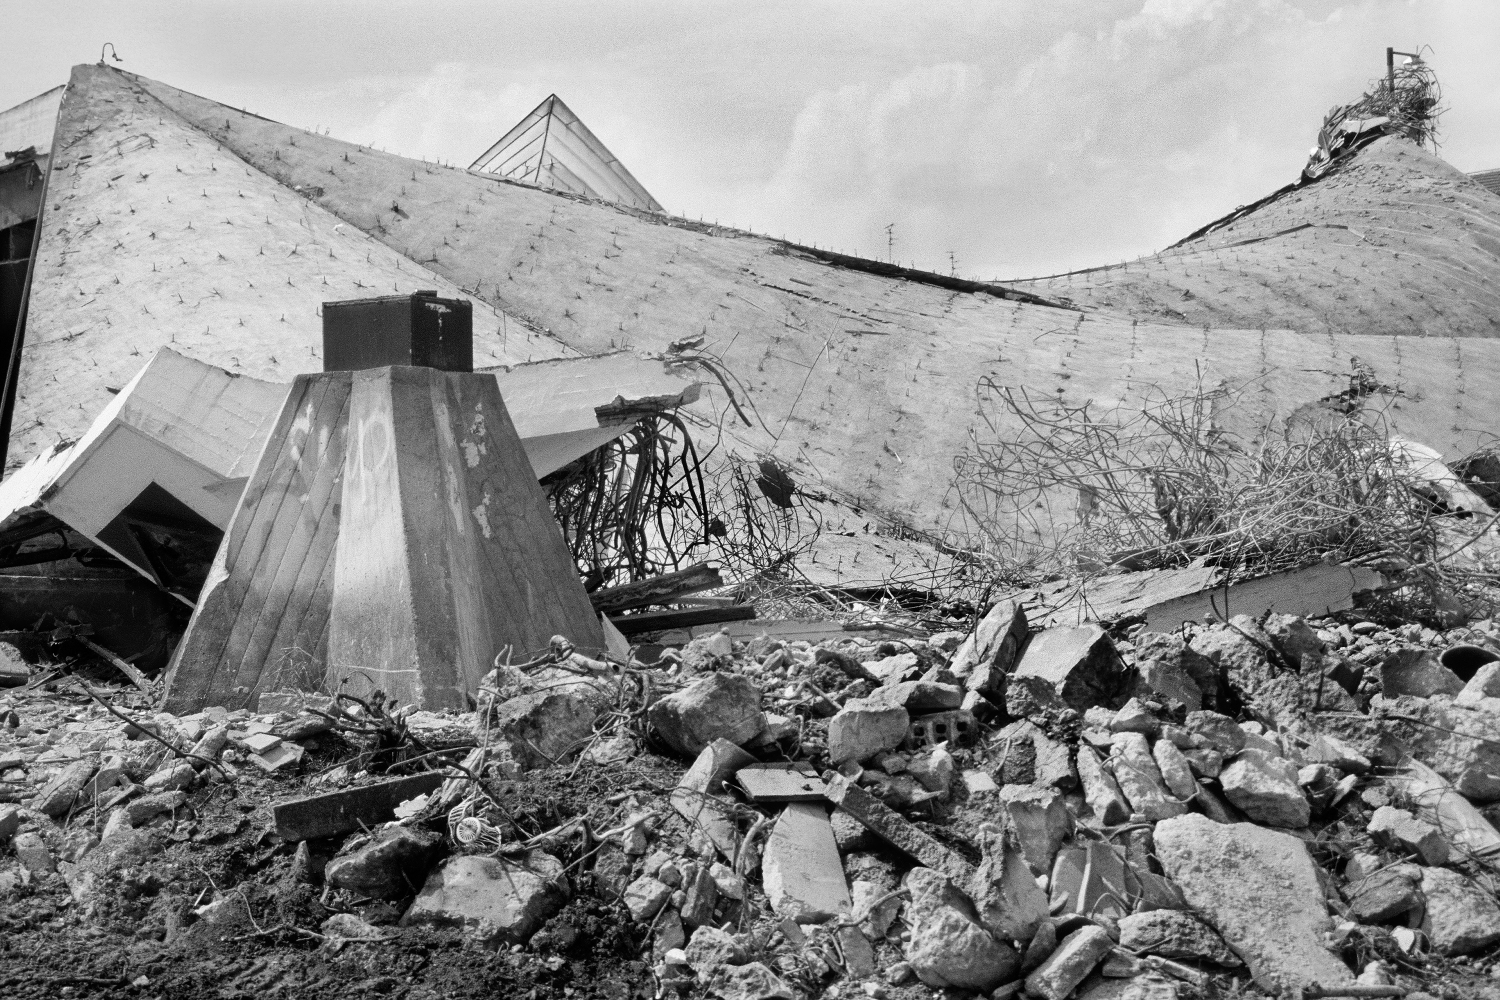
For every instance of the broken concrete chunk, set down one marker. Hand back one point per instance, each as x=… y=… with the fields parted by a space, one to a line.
x=700 y=894
x=31 y=850
x=1265 y=788
x=1070 y=964
x=719 y=706
x=497 y=902
x=278 y=757
x=889 y=826
x=545 y=727
x=865 y=727
x=1330 y=750
x=1484 y=684
x=1418 y=673
x=171 y=776
x=645 y=897
x=699 y=796
x=1029 y=756
x=58 y=794
x=392 y=865
x=1259 y=889
x=327 y=815
x=1176 y=771
x=711 y=949
x=1174 y=934
x=987 y=655
x=1381 y=896
x=1080 y=664
x=947 y=946
x=10 y=822
x=1134 y=717
x=873 y=916
x=1131 y=763
x=1170 y=683
x=1100 y=789
x=933 y=769
x=1221 y=732
x=1170 y=649
x=918 y=697
x=1401 y=831
x=751 y=981
x=801 y=867
x=1461 y=917
x=1041 y=821
x=1008 y=900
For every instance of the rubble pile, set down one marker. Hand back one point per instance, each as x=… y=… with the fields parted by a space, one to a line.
x=1261 y=805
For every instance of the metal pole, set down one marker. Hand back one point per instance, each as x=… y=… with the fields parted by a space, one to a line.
x=1390 y=71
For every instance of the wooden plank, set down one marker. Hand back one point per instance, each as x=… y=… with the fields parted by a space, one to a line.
x=659 y=621
x=340 y=812
x=448 y=552
x=656 y=589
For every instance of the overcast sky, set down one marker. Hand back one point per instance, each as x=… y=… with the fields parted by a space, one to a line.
x=1021 y=137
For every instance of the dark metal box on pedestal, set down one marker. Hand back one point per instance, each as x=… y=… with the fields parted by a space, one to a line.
x=418 y=330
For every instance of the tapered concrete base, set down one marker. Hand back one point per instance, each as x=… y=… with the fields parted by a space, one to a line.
x=392 y=537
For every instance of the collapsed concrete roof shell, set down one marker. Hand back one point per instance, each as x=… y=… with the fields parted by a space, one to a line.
x=860 y=383
x=552 y=148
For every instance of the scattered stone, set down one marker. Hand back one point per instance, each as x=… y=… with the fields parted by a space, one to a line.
x=1176 y=770
x=1221 y=732
x=172 y=776
x=1265 y=789
x=933 y=769
x=496 y=901
x=1174 y=934
x=1330 y=750
x=710 y=949
x=700 y=895
x=282 y=755
x=1033 y=698
x=58 y=794
x=1484 y=684
x=1100 y=790
x=1168 y=682
x=346 y=928
x=752 y=981
x=1141 y=780
x=545 y=727
x=918 y=697
x=1381 y=896
x=1070 y=964
x=1259 y=889
x=1080 y=664
x=1418 y=673
x=948 y=947
x=801 y=868
x=391 y=865
x=111 y=769
x=1461 y=917
x=864 y=727
x=874 y=920
x=1401 y=831
x=1170 y=649
x=31 y=850
x=1135 y=717
x=645 y=897
x=10 y=822
x=719 y=706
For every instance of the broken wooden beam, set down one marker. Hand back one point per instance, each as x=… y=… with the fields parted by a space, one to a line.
x=656 y=589
x=340 y=812
x=657 y=621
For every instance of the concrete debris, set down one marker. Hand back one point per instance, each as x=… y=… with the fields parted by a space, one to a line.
x=1174 y=934
x=801 y=868
x=334 y=813
x=1264 y=787
x=1080 y=664
x=719 y=706
x=1134 y=768
x=1075 y=957
x=948 y=946
x=1401 y=831
x=392 y=864
x=1259 y=889
x=863 y=728
x=496 y=902
x=1461 y=918
x=1383 y=895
